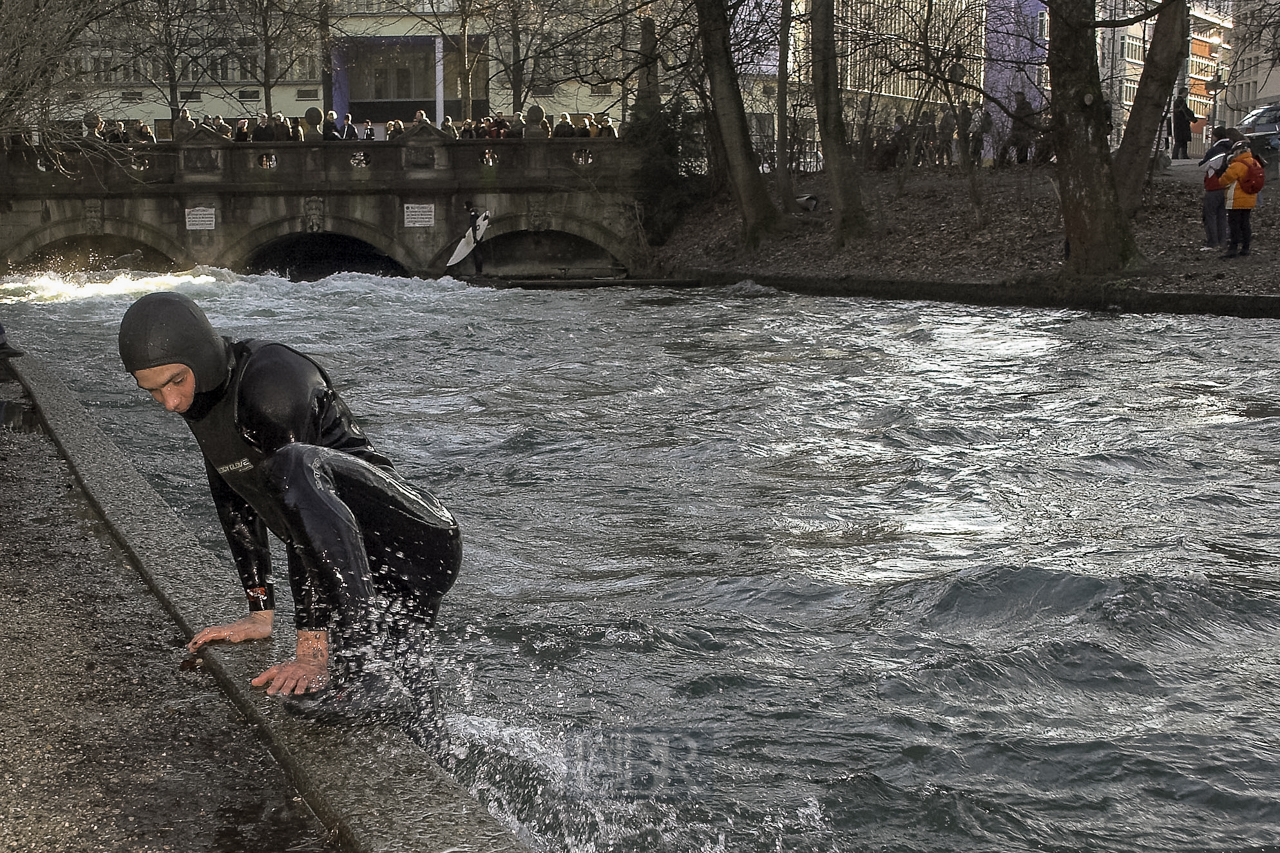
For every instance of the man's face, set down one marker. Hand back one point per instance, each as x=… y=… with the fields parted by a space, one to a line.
x=172 y=385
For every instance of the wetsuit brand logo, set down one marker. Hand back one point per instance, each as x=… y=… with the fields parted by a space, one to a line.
x=236 y=467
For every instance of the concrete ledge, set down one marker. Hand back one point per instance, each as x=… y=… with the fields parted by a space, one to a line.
x=1047 y=292
x=372 y=786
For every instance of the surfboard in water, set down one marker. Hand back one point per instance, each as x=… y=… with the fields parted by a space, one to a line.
x=469 y=241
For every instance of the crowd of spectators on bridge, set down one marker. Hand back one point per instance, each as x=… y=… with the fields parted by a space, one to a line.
x=279 y=128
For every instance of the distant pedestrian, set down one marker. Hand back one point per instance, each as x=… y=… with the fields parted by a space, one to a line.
x=183 y=126
x=516 y=128
x=263 y=131
x=1183 y=118
x=1022 y=132
x=1239 y=201
x=500 y=126
x=1214 y=207
x=964 y=117
x=926 y=139
x=329 y=127
x=349 y=130
x=946 y=137
x=564 y=127
x=979 y=127
x=281 y=127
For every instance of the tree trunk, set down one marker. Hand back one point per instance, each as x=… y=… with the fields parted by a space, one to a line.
x=517 y=65
x=1164 y=60
x=782 y=151
x=1099 y=236
x=648 y=96
x=464 y=72
x=837 y=156
x=326 y=56
x=759 y=215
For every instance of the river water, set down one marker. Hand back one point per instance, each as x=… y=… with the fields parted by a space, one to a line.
x=752 y=571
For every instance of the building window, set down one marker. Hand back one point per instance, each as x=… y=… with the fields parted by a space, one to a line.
x=1135 y=49
x=543 y=91
x=308 y=94
x=249 y=95
x=602 y=88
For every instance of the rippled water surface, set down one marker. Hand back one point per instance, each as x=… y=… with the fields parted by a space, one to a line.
x=750 y=571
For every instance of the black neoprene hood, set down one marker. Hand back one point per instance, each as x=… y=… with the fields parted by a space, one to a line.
x=169 y=328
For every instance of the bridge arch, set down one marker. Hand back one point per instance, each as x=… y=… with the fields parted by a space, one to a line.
x=539 y=246
x=131 y=234
x=277 y=236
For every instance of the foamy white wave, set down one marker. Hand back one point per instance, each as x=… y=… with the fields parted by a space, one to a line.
x=205 y=282
x=111 y=284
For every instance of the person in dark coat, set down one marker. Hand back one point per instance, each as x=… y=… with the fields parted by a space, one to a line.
x=349 y=130
x=1183 y=118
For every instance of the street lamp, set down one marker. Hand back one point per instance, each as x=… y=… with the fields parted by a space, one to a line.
x=1213 y=87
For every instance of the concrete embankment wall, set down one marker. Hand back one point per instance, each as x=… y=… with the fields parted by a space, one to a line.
x=1126 y=297
x=372 y=786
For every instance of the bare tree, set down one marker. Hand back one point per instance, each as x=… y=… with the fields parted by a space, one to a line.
x=1099 y=235
x=1164 y=61
x=41 y=87
x=760 y=216
x=782 y=156
x=837 y=154
x=274 y=39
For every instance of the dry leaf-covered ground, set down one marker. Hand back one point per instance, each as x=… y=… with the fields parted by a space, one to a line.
x=926 y=232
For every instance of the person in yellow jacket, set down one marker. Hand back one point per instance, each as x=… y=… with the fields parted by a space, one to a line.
x=1239 y=203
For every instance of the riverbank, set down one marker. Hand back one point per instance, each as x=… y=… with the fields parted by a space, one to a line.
x=113 y=737
x=928 y=245
x=109 y=742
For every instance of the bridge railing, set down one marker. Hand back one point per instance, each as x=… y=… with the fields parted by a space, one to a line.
x=418 y=160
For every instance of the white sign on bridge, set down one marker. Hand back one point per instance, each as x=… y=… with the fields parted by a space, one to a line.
x=201 y=219
x=419 y=216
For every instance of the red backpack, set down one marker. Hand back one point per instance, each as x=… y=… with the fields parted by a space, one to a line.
x=1253 y=179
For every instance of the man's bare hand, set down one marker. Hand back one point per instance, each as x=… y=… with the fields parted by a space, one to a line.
x=255 y=626
x=307 y=672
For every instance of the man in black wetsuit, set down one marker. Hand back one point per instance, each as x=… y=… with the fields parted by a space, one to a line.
x=283 y=453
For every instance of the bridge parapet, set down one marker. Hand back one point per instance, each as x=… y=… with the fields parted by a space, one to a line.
x=415 y=161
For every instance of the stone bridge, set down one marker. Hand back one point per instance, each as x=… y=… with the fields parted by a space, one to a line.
x=558 y=207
